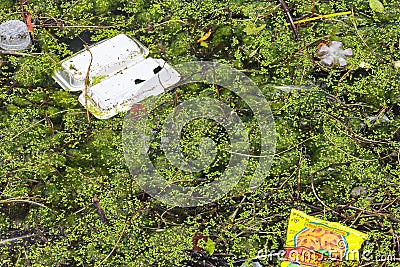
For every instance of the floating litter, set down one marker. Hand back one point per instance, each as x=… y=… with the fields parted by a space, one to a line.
x=119 y=92
x=14 y=35
x=311 y=241
x=333 y=54
x=116 y=74
x=108 y=57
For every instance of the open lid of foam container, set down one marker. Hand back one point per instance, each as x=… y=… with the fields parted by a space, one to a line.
x=132 y=85
x=119 y=75
x=108 y=57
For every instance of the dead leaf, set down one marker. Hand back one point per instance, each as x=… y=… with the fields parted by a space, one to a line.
x=29 y=24
x=195 y=241
x=205 y=36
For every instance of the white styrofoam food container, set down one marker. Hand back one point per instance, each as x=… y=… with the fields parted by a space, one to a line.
x=119 y=75
x=132 y=85
x=108 y=57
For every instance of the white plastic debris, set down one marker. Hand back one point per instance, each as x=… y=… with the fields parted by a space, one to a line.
x=333 y=54
x=108 y=57
x=379 y=118
x=118 y=93
x=118 y=76
x=14 y=35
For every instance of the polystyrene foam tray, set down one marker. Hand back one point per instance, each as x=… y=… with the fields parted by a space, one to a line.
x=108 y=57
x=131 y=85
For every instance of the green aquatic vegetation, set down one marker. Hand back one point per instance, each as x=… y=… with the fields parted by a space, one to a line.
x=34 y=71
x=98 y=79
x=53 y=162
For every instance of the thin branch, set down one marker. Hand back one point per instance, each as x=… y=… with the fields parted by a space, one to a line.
x=11 y=200
x=87 y=81
x=289 y=17
x=15 y=53
x=305 y=47
x=120 y=237
x=36 y=123
x=99 y=210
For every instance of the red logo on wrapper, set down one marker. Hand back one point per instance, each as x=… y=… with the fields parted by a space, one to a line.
x=305 y=256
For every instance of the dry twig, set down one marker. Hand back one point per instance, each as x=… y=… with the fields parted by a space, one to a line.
x=99 y=210
x=289 y=17
x=87 y=81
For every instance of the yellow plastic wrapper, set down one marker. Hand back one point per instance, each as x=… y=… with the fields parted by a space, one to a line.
x=314 y=242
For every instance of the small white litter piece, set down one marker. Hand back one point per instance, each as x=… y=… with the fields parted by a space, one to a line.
x=14 y=35
x=119 y=75
x=333 y=54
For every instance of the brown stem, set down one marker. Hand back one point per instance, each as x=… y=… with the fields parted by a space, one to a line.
x=99 y=210
x=289 y=17
x=87 y=82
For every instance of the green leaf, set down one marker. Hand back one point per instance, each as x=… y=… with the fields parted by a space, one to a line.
x=210 y=246
x=203 y=44
x=376 y=6
x=251 y=29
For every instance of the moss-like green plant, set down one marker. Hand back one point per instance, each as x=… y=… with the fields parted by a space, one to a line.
x=53 y=162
